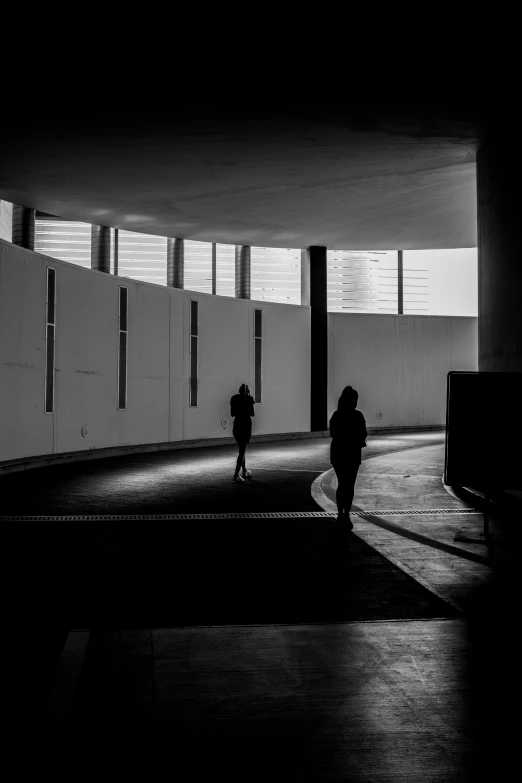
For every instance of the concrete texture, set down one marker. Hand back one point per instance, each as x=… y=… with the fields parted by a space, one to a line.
x=406 y=699
x=6 y=220
x=412 y=481
x=500 y=261
x=158 y=361
x=361 y=350
x=267 y=174
x=398 y=364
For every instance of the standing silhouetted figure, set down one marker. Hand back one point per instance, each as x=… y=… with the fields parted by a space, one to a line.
x=242 y=409
x=348 y=431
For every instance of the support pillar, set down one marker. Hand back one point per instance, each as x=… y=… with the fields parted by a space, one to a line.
x=400 y=283
x=101 y=248
x=116 y=250
x=314 y=294
x=175 y=263
x=499 y=172
x=242 y=277
x=214 y=267
x=23 y=226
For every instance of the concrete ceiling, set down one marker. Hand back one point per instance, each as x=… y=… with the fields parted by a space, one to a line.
x=343 y=174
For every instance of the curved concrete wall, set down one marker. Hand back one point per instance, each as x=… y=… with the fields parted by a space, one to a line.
x=399 y=364
x=6 y=220
x=158 y=361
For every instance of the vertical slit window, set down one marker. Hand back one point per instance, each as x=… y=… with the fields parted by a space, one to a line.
x=258 y=355
x=194 y=336
x=50 y=339
x=122 y=349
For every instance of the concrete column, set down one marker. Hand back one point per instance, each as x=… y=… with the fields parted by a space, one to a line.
x=6 y=221
x=116 y=250
x=214 y=267
x=400 y=283
x=23 y=226
x=101 y=248
x=243 y=257
x=314 y=294
x=175 y=263
x=499 y=174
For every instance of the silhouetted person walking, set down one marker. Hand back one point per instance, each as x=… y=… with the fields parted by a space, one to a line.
x=348 y=431
x=242 y=409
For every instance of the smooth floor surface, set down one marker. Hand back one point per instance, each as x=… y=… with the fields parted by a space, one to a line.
x=248 y=648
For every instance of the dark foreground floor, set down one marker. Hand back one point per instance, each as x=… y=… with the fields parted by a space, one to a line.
x=135 y=574
x=238 y=572
x=239 y=648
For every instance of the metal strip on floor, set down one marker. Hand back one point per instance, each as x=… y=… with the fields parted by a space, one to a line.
x=233 y=515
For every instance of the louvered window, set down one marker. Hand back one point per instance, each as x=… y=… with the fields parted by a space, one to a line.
x=441 y=282
x=66 y=240
x=362 y=281
x=198 y=266
x=276 y=275
x=142 y=257
x=225 y=270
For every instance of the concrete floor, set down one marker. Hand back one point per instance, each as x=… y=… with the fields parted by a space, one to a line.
x=406 y=698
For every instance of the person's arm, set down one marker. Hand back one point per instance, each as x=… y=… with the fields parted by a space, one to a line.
x=364 y=433
x=232 y=407
x=332 y=426
x=252 y=412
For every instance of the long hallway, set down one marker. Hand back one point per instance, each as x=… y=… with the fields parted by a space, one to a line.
x=222 y=625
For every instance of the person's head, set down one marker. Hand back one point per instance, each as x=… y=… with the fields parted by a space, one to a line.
x=243 y=389
x=348 y=399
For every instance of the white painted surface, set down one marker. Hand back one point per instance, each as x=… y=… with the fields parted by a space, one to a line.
x=6 y=220
x=158 y=361
x=398 y=364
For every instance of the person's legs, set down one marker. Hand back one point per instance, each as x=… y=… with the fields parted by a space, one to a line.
x=349 y=488
x=246 y=473
x=346 y=475
x=339 y=495
x=241 y=457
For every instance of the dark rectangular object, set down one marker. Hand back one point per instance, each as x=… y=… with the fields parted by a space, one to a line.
x=193 y=317
x=193 y=371
x=258 y=369
x=314 y=281
x=484 y=430
x=123 y=309
x=400 y=283
x=51 y=294
x=122 y=372
x=49 y=369
x=258 y=323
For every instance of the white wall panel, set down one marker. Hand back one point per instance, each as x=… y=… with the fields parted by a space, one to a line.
x=146 y=419
x=399 y=364
x=158 y=361
x=24 y=427
x=286 y=363
x=85 y=400
x=86 y=357
x=225 y=361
